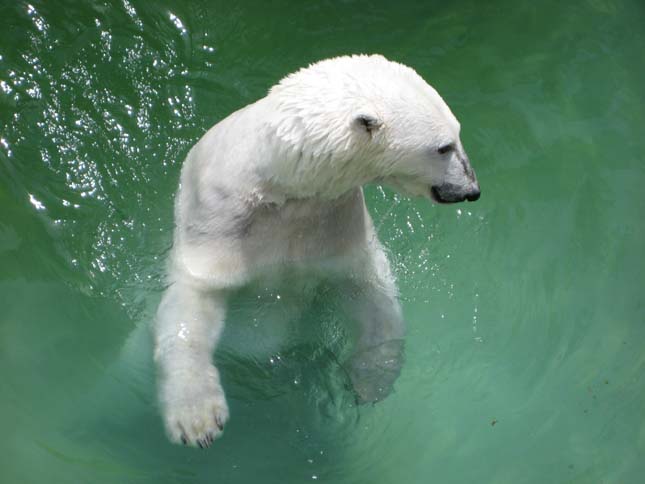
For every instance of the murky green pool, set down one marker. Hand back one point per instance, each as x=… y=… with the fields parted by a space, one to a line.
x=526 y=314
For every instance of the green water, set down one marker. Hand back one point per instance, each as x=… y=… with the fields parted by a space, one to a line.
x=526 y=347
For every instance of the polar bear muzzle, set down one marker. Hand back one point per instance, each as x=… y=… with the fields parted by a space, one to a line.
x=467 y=187
x=457 y=188
x=449 y=193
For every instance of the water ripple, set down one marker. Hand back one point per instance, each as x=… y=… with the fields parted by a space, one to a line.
x=114 y=120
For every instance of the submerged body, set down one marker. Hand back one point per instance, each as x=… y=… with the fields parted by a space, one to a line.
x=276 y=186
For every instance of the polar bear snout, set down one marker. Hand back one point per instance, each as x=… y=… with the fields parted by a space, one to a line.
x=450 y=193
x=460 y=183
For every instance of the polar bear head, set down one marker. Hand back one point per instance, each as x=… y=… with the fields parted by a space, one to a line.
x=351 y=120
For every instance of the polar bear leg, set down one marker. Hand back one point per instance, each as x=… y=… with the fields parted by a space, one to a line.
x=377 y=355
x=188 y=325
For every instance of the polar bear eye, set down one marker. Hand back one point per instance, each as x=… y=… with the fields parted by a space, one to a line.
x=446 y=148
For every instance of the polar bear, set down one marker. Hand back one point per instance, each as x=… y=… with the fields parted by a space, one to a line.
x=275 y=189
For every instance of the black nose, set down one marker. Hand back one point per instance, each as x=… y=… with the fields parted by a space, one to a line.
x=472 y=196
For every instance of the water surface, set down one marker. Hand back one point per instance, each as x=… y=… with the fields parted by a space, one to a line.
x=525 y=357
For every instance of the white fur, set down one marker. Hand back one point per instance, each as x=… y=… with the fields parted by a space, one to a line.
x=276 y=186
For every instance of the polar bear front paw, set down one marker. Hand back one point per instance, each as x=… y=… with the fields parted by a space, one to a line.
x=194 y=411
x=374 y=370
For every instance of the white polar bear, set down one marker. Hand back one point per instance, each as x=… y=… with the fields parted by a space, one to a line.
x=276 y=186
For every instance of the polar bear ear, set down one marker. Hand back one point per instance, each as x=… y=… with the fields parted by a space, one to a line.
x=367 y=122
